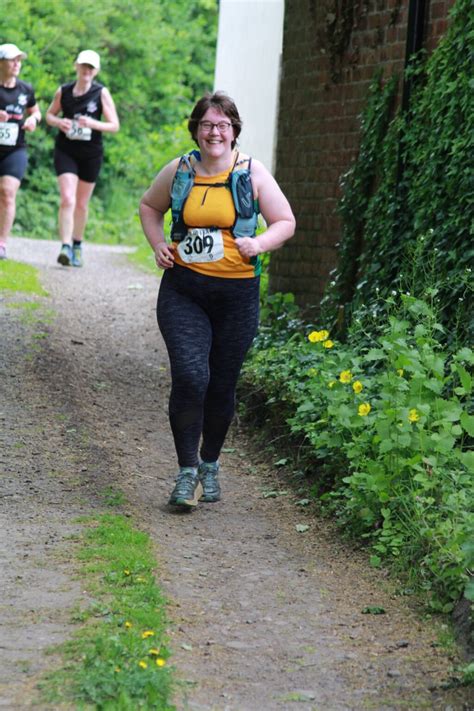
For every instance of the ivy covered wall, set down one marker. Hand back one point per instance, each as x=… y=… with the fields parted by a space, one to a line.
x=333 y=49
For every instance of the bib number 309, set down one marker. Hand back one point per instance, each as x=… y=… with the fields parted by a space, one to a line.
x=201 y=245
x=8 y=133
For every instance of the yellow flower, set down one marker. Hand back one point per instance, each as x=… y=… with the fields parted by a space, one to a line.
x=142 y=664
x=154 y=652
x=126 y=572
x=128 y=625
x=312 y=372
x=413 y=415
x=331 y=384
x=317 y=336
x=328 y=344
x=117 y=669
x=364 y=409
x=357 y=386
x=160 y=662
x=400 y=372
x=345 y=376
x=148 y=633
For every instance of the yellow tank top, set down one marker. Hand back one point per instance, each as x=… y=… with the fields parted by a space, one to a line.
x=208 y=206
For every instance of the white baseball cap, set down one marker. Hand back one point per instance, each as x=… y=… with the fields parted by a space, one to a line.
x=88 y=56
x=10 y=51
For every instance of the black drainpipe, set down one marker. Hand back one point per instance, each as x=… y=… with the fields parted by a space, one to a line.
x=417 y=10
x=415 y=36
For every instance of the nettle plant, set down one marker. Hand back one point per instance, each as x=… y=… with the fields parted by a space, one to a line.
x=390 y=422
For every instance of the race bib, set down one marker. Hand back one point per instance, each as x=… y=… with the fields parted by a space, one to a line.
x=201 y=245
x=79 y=133
x=8 y=133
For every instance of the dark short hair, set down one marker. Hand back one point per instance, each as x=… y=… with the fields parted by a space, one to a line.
x=223 y=103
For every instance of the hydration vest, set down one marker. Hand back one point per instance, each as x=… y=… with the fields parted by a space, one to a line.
x=238 y=182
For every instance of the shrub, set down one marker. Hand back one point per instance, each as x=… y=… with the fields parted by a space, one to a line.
x=387 y=428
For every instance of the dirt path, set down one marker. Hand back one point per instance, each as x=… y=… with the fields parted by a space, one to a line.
x=262 y=617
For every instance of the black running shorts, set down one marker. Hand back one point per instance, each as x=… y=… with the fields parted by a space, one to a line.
x=87 y=169
x=14 y=163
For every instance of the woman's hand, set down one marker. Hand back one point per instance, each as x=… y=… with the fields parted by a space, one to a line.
x=248 y=246
x=4 y=115
x=85 y=122
x=164 y=255
x=64 y=125
x=30 y=123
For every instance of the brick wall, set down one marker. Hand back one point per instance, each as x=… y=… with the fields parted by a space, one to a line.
x=331 y=49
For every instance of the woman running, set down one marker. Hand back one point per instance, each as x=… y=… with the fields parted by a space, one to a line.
x=77 y=110
x=208 y=301
x=19 y=113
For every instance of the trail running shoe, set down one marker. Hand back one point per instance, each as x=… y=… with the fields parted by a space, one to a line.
x=65 y=255
x=208 y=472
x=77 y=255
x=3 y=252
x=187 y=490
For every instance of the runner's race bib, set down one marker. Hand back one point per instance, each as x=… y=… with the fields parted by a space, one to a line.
x=8 y=133
x=79 y=133
x=201 y=244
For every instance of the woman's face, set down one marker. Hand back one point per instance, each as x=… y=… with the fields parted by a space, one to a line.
x=86 y=71
x=215 y=133
x=11 y=67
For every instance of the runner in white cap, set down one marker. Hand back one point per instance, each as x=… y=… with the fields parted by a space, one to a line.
x=19 y=112
x=77 y=110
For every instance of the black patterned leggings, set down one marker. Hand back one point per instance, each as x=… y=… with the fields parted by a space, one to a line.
x=208 y=325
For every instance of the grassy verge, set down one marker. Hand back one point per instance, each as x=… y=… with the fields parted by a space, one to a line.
x=118 y=659
x=15 y=276
x=144 y=258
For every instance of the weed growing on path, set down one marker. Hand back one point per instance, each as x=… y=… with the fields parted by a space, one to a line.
x=118 y=658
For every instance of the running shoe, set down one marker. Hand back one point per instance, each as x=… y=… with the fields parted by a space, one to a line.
x=3 y=252
x=208 y=472
x=65 y=255
x=187 y=490
x=77 y=255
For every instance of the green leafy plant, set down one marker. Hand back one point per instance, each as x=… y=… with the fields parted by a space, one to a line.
x=387 y=427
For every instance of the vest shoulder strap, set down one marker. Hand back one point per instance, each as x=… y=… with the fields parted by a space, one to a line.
x=239 y=182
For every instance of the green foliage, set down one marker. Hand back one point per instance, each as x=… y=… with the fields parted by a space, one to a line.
x=157 y=59
x=15 y=276
x=423 y=172
x=387 y=427
x=118 y=660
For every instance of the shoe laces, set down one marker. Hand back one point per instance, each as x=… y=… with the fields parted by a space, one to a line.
x=208 y=470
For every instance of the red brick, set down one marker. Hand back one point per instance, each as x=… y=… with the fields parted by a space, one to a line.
x=314 y=153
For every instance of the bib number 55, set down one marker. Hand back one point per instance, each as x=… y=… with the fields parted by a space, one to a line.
x=8 y=133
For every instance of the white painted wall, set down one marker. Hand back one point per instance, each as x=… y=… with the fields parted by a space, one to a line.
x=249 y=46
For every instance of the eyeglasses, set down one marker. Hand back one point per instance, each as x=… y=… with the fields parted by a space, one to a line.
x=222 y=126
